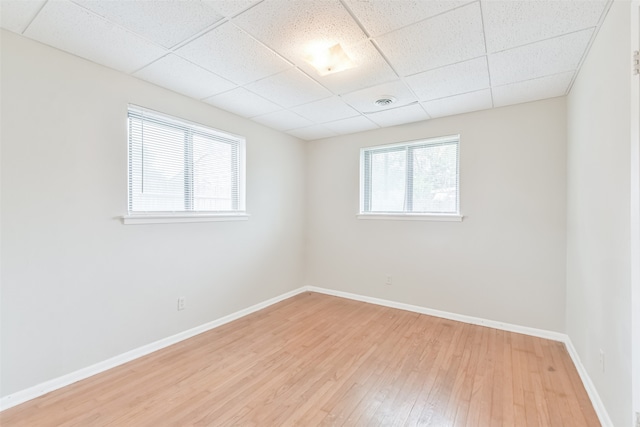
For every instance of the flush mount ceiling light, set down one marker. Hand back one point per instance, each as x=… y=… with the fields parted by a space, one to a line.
x=329 y=60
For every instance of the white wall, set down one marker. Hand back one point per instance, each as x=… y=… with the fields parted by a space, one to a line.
x=635 y=212
x=598 y=213
x=78 y=286
x=505 y=261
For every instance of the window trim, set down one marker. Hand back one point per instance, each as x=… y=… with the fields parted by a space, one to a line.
x=407 y=215
x=162 y=217
x=178 y=217
x=412 y=217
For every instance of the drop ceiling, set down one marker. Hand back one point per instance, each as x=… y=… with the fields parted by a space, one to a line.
x=436 y=58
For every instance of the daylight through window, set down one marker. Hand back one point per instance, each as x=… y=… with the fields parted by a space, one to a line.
x=179 y=166
x=418 y=177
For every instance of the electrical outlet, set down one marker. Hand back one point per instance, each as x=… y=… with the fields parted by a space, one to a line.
x=182 y=302
x=389 y=280
x=602 y=360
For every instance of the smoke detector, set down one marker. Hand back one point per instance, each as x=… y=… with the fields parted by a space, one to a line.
x=384 y=101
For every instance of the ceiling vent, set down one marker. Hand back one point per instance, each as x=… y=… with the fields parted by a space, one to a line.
x=384 y=101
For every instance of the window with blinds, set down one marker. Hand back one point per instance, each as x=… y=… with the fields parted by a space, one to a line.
x=176 y=166
x=418 y=177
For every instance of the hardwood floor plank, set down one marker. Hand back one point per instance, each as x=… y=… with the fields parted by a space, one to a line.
x=508 y=403
x=320 y=360
x=339 y=407
x=402 y=364
x=497 y=381
x=462 y=404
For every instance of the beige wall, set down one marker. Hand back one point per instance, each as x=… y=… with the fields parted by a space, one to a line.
x=505 y=261
x=598 y=221
x=79 y=287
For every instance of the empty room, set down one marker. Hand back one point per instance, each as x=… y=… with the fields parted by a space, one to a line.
x=320 y=212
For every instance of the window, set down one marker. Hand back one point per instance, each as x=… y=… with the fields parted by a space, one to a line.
x=181 y=168
x=419 y=178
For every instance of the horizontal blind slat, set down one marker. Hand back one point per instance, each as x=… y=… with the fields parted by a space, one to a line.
x=429 y=183
x=176 y=165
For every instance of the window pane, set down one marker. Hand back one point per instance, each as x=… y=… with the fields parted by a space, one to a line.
x=435 y=178
x=157 y=156
x=388 y=180
x=214 y=174
x=413 y=177
x=179 y=166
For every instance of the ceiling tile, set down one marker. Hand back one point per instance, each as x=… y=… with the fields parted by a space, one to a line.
x=184 y=77
x=283 y=120
x=514 y=23
x=398 y=116
x=428 y=54
x=166 y=22
x=381 y=16
x=465 y=103
x=364 y=100
x=351 y=125
x=74 y=29
x=532 y=90
x=243 y=102
x=292 y=27
x=442 y=40
x=312 y=132
x=230 y=8
x=325 y=110
x=467 y=76
x=539 y=59
x=231 y=53
x=15 y=15
x=289 y=88
x=371 y=69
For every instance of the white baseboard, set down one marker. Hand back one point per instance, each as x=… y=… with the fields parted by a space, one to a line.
x=48 y=386
x=56 y=383
x=597 y=403
x=541 y=333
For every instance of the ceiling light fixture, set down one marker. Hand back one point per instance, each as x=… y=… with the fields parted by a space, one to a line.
x=329 y=60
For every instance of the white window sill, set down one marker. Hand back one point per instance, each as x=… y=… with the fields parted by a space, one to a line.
x=411 y=217
x=174 y=218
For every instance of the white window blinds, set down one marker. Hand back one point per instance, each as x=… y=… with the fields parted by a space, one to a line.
x=416 y=177
x=179 y=166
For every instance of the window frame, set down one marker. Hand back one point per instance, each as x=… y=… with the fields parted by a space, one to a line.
x=407 y=146
x=188 y=215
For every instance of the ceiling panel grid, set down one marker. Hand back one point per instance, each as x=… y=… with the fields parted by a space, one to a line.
x=433 y=58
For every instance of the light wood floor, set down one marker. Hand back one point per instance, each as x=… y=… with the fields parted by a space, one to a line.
x=320 y=360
